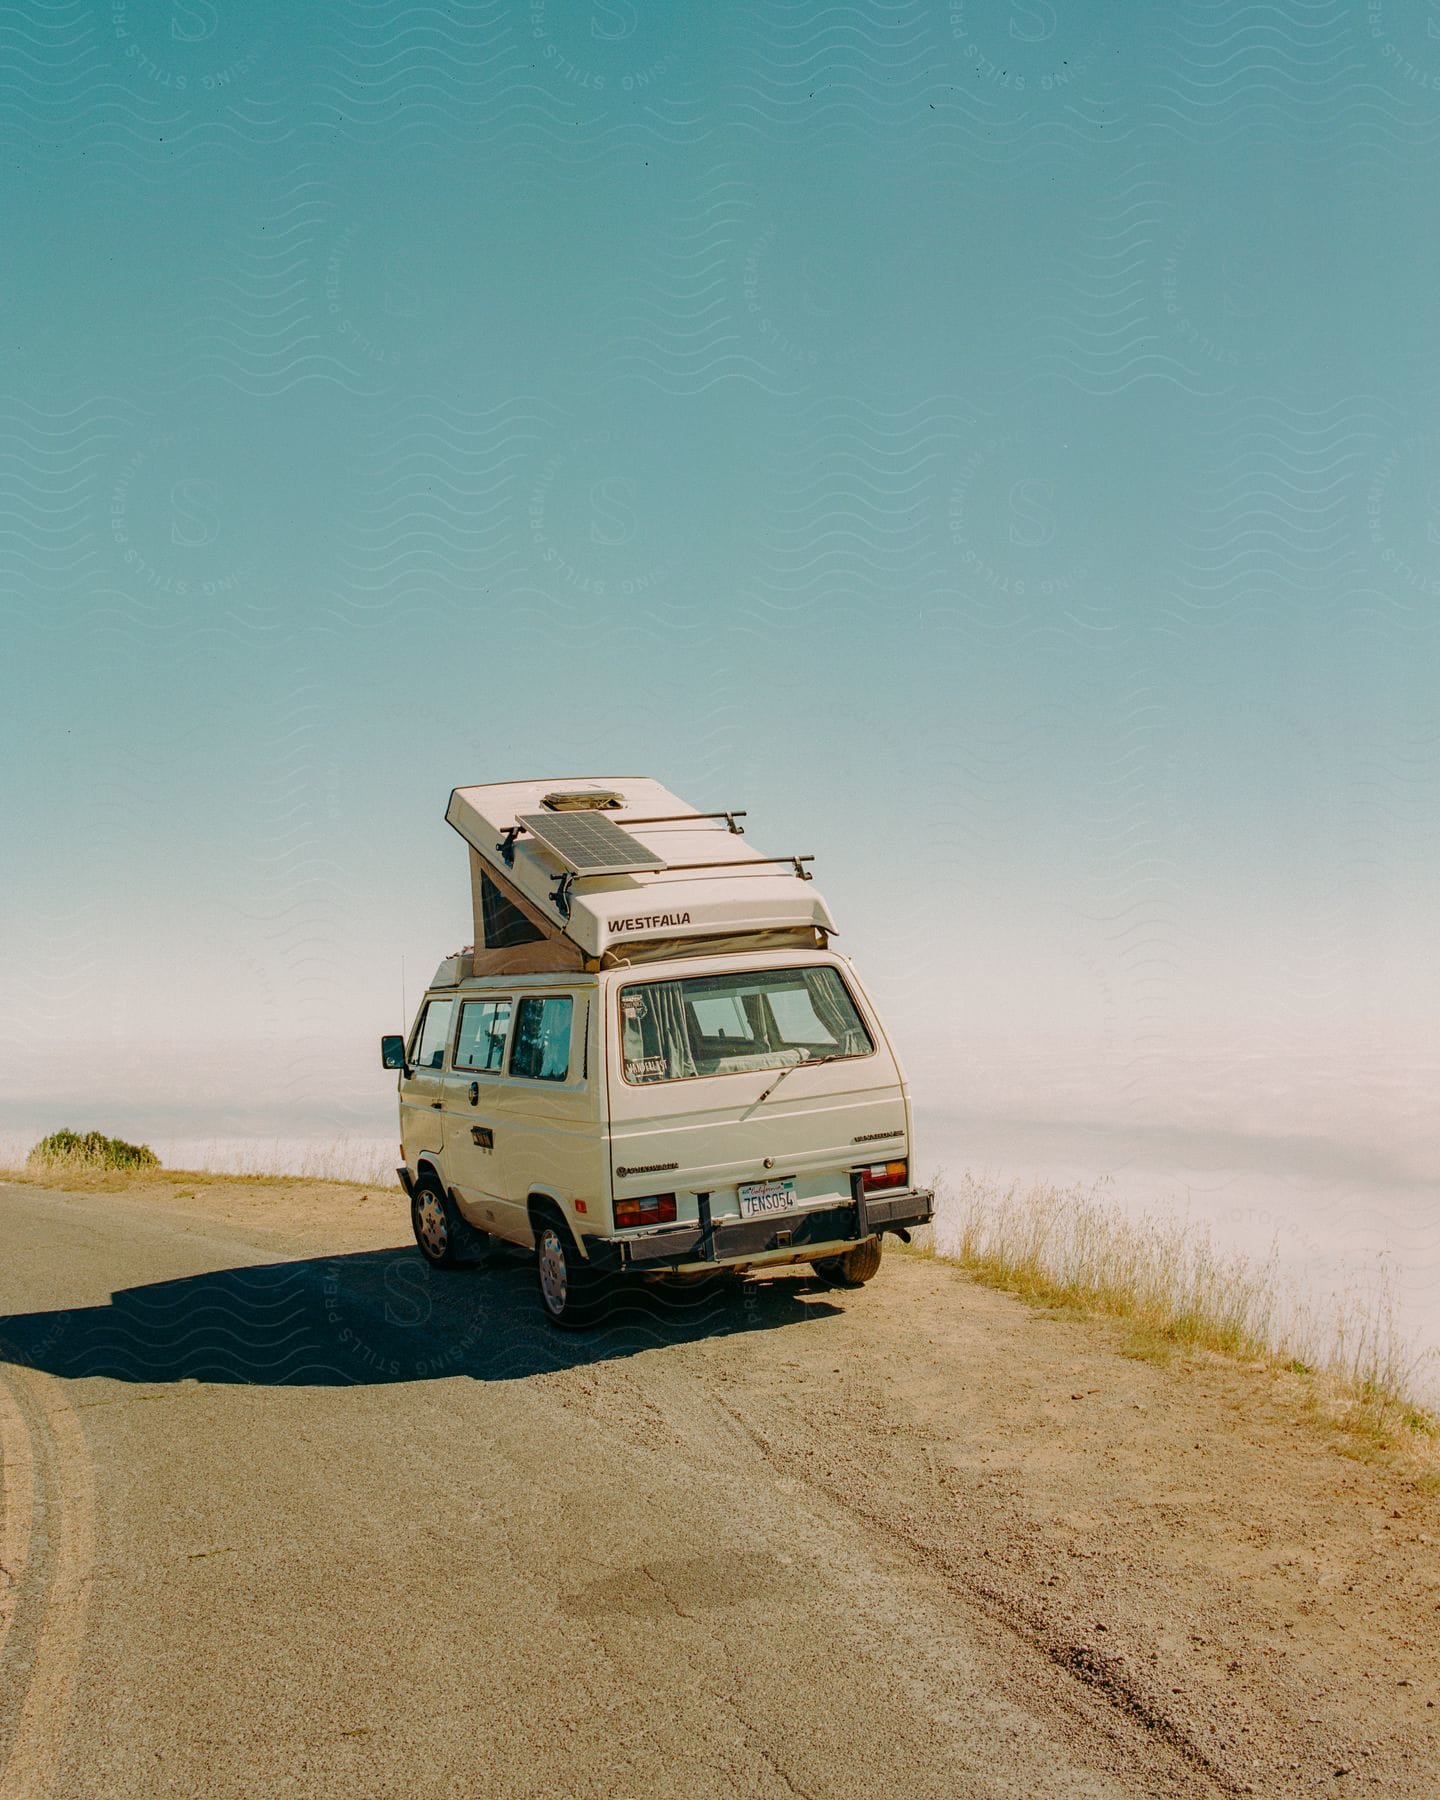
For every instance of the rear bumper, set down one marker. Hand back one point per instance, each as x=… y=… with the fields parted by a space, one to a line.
x=782 y=1237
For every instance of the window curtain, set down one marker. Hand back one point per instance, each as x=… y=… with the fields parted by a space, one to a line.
x=834 y=1012
x=672 y=1031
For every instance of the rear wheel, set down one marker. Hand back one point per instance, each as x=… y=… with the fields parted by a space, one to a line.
x=432 y=1219
x=852 y=1270
x=572 y=1293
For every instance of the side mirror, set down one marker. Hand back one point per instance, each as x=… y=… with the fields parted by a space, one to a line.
x=392 y=1054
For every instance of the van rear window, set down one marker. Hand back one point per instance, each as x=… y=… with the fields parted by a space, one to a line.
x=728 y=1024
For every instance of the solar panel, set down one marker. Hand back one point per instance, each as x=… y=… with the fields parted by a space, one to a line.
x=589 y=843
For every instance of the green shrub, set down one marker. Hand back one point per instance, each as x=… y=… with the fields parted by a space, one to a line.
x=92 y=1150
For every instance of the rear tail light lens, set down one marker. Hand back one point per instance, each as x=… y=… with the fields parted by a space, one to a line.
x=656 y=1209
x=884 y=1175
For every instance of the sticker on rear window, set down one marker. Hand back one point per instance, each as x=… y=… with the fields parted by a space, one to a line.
x=643 y=1068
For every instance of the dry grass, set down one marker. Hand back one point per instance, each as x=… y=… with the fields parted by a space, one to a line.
x=1068 y=1249
x=344 y=1160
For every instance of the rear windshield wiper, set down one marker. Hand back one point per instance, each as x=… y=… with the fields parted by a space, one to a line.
x=807 y=1062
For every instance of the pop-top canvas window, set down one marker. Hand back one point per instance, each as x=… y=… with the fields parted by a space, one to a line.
x=505 y=925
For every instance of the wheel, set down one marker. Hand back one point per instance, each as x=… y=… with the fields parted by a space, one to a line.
x=852 y=1270
x=572 y=1294
x=432 y=1218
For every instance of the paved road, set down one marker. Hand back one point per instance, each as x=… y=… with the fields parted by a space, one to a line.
x=303 y=1518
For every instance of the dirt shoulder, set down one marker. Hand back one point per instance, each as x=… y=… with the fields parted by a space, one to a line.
x=280 y=1210
x=1182 y=1539
x=1177 y=1554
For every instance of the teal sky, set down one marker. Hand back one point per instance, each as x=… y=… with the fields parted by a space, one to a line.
x=994 y=444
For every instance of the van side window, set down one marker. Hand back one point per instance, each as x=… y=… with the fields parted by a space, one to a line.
x=432 y=1035
x=484 y=1025
x=542 y=1037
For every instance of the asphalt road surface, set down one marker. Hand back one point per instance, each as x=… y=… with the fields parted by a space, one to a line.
x=286 y=1512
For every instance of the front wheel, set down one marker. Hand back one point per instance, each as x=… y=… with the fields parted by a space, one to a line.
x=858 y=1265
x=432 y=1219
x=572 y=1293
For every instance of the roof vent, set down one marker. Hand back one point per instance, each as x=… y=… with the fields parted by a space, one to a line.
x=587 y=800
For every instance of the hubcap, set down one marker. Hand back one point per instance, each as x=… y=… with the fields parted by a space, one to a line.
x=430 y=1218
x=554 y=1276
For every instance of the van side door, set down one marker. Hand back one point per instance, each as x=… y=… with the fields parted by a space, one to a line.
x=422 y=1118
x=553 y=1144
x=478 y=1112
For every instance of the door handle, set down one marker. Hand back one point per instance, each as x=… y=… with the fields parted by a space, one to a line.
x=436 y=1105
x=474 y=1093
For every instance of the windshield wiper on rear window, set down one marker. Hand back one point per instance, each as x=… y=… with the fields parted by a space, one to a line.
x=807 y=1062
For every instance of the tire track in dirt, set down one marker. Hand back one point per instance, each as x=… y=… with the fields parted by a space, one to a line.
x=68 y=1509
x=1094 y=1675
x=17 y=1499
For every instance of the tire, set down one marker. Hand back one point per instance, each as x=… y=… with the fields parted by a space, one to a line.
x=433 y=1220
x=572 y=1294
x=852 y=1270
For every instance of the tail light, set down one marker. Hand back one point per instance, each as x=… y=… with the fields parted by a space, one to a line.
x=655 y=1209
x=884 y=1175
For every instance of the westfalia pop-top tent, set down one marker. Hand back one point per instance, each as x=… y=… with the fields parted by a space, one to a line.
x=595 y=870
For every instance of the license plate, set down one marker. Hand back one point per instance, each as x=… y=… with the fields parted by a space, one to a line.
x=757 y=1198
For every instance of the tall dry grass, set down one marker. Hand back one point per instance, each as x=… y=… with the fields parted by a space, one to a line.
x=1073 y=1249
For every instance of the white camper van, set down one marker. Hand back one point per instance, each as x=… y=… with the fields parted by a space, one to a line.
x=651 y=1063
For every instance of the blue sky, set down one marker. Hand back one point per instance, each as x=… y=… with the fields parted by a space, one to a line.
x=995 y=445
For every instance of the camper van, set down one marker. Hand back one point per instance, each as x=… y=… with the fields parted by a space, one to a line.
x=651 y=1063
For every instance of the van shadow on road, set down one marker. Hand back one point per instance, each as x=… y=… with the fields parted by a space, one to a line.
x=375 y=1317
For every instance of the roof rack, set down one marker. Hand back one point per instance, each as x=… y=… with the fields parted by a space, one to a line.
x=560 y=893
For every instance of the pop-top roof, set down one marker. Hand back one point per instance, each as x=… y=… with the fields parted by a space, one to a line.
x=537 y=840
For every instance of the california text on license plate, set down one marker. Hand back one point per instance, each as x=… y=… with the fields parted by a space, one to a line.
x=760 y=1197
